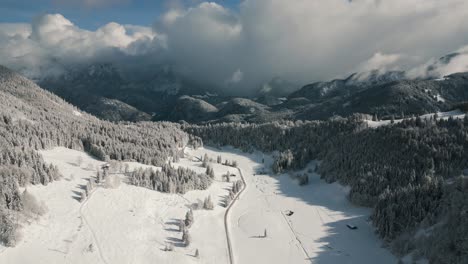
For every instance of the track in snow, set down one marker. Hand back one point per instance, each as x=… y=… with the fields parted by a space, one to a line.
x=228 y=238
x=89 y=226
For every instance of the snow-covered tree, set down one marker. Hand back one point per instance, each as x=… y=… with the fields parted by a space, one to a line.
x=181 y=226
x=208 y=204
x=186 y=238
x=189 y=218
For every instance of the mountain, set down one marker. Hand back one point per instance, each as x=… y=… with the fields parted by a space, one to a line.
x=158 y=93
x=383 y=96
x=118 y=93
x=322 y=91
x=192 y=110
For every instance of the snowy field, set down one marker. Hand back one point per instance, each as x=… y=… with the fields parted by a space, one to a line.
x=456 y=114
x=315 y=233
x=133 y=224
x=124 y=225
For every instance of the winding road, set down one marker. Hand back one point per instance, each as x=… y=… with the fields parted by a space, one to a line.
x=226 y=214
x=228 y=238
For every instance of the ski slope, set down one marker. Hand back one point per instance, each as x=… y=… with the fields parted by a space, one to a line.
x=133 y=224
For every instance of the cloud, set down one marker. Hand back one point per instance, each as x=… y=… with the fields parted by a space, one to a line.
x=52 y=42
x=298 y=40
x=381 y=61
x=446 y=65
x=306 y=41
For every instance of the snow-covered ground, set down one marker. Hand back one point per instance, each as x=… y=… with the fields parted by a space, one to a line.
x=441 y=115
x=124 y=225
x=315 y=233
x=132 y=224
x=76 y=113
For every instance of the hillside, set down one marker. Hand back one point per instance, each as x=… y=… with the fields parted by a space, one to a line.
x=32 y=119
x=119 y=93
x=192 y=110
x=384 y=98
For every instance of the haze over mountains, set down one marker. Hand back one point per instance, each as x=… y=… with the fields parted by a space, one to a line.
x=115 y=94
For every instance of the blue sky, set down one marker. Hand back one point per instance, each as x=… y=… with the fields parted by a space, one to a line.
x=85 y=13
x=298 y=40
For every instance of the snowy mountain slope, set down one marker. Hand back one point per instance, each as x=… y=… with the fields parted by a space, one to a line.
x=384 y=97
x=456 y=114
x=33 y=119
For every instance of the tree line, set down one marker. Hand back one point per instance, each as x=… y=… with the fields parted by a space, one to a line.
x=405 y=171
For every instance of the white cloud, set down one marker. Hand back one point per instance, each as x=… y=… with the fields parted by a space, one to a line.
x=440 y=67
x=305 y=40
x=300 y=40
x=52 y=41
x=380 y=61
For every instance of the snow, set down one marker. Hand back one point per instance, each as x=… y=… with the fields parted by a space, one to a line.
x=315 y=233
x=440 y=98
x=125 y=225
x=132 y=224
x=441 y=115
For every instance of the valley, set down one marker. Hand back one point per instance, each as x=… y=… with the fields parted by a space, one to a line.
x=132 y=224
x=236 y=131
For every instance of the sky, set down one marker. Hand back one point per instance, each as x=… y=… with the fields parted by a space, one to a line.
x=91 y=14
x=237 y=45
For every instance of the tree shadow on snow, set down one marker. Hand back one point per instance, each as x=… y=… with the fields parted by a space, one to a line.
x=173 y=221
x=177 y=242
x=171 y=229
